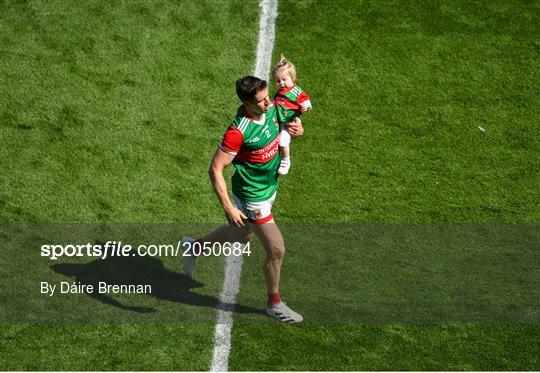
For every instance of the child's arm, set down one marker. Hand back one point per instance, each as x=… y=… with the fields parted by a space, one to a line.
x=304 y=101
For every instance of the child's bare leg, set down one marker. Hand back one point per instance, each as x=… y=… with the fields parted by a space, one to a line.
x=285 y=150
x=285 y=163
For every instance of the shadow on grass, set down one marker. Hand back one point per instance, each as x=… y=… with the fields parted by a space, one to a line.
x=137 y=270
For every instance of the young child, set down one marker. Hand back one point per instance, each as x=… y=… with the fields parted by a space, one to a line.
x=291 y=101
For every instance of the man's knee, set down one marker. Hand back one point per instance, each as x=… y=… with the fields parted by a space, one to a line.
x=247 y=236
x=276 y=251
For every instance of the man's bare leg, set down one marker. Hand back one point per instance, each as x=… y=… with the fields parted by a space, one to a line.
x=225 y=233
x=228 y=233
x=273 y=244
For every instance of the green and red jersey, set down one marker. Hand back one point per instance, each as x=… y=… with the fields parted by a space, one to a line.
x=255 y=147
x=289 y=102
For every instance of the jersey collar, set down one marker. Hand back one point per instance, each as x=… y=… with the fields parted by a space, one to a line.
x=286 y=90
x=263 y=117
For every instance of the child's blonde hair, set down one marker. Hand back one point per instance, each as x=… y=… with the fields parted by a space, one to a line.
x=283 y=64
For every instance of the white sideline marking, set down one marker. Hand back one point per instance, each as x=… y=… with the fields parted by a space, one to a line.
x=267 y=34
x=222 y=334
x=233 y=268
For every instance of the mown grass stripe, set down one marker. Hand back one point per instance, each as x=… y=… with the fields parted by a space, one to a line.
x=233 y=268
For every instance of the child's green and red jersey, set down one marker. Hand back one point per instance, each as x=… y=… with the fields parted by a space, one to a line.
x=255 y=147
x=289 y=102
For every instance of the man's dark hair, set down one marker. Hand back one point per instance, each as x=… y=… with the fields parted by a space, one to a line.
x=248 y=86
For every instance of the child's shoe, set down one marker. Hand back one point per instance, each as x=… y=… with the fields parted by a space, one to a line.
x=284 y=166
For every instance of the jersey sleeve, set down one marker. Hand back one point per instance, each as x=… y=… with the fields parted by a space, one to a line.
x=304 y=101
x=232 y=141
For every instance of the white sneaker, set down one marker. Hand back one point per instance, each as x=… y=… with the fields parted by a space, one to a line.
x=284 y=166
x=190 y=262
x=283 y=313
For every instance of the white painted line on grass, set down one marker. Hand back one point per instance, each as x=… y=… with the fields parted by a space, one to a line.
x=267 y=35
x=222 y=334
x=233 y=267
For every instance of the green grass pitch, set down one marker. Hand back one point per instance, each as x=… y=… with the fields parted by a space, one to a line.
x=424 y=128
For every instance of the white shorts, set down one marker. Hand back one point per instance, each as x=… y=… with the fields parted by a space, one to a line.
x=257 y=212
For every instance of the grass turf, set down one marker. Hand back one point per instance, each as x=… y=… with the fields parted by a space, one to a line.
x=103 y=122
x=400 y=92
x=384 y=348
x=97 y=347
x=399 y=95
x=104 y=107
x=111 y=111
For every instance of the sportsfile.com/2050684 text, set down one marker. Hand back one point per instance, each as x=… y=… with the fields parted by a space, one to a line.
x=118 y=249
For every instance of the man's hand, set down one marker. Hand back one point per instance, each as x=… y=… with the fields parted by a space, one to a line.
x=295 y=128
x=235 y=217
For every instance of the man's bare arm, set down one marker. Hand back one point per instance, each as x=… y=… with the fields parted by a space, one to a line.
x=220 y=161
